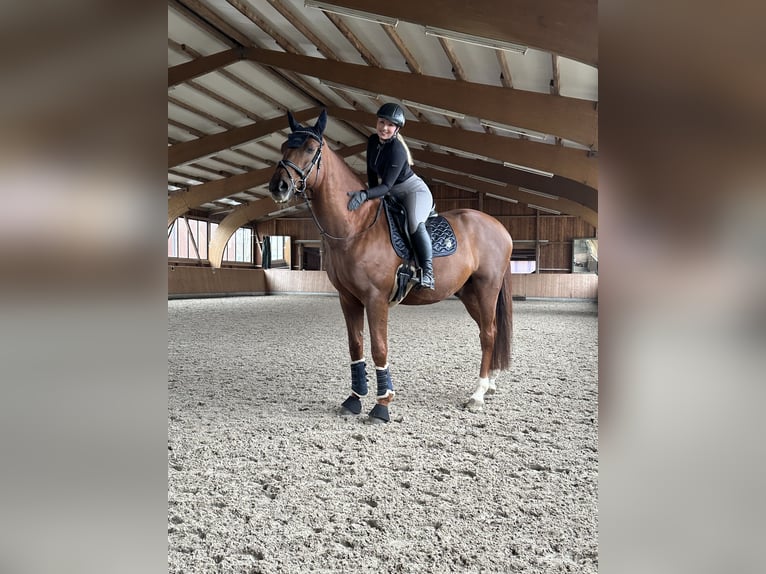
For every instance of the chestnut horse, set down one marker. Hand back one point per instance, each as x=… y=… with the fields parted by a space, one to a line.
x=361 y=263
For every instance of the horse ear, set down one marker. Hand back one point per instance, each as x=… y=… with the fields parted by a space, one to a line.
x=293 y=124
x=321 y=122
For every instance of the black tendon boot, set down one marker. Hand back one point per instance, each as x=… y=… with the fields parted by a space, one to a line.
x=358 y=388
x=421 y=242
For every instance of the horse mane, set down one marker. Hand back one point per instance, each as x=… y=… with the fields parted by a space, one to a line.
x=342 y=170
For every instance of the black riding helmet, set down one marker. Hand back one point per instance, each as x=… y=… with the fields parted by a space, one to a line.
x=393 y=113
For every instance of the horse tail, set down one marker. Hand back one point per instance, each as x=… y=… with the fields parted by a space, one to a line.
x=501 y=353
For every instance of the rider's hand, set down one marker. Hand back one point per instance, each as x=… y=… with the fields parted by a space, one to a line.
x=357 y=199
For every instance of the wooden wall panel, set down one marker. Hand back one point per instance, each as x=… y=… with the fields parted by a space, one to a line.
x=298 y=228
x=557 y=256
x=204 y=282
x=556 y=286
x=285 y=281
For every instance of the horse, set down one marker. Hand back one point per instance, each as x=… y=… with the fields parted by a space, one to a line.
x=361 y=264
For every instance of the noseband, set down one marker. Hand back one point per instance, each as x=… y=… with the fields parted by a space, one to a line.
x=299 y=186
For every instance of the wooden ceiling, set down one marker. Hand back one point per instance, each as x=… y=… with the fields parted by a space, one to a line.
x=236 y=66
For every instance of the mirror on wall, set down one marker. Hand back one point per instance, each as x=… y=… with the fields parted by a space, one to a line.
x=585 y=255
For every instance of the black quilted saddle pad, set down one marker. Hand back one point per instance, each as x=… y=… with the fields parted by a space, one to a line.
x=441 y=232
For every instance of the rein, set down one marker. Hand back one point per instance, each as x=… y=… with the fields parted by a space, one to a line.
x=301 y=188
x=322 y=232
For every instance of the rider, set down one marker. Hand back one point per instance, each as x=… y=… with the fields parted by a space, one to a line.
x=389 y=170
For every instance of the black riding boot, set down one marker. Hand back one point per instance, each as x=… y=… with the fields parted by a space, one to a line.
x=421 y=242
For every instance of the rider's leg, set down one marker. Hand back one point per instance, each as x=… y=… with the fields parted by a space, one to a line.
x=421 y=242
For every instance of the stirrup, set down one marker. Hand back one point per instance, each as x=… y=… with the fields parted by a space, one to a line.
x=426 y=285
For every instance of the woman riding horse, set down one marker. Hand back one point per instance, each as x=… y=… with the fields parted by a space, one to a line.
x=361 y=264
x=389 y=170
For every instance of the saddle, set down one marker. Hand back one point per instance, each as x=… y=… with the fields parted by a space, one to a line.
x=442 y=238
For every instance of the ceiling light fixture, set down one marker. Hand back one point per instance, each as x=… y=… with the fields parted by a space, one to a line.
x=504 y=128
x=488 y=180
x=350 y=89
x=476 y=40
x=501 y=198
x=228 y=201
x=528 y=169
x=434 y=109
x=440 y=168
x=455 y=185
x=466 y=154
x=545 y=209
x=343 y=11
x=540 y=193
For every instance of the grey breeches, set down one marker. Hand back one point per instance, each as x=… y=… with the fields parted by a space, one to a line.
x=416 y=198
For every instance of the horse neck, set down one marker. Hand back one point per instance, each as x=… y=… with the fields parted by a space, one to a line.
x=330 y=198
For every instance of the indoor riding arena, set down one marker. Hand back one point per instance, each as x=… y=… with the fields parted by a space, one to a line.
x=281 y=265
x=264 y=476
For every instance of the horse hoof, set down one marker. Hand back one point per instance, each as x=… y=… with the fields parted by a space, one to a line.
x=351 y=406
x=378 y=414
x=473 y=406
x=374 y=421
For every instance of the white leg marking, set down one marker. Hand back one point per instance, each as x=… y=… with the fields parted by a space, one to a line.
x=476 y=401
x=492 y=386
x=478 y=394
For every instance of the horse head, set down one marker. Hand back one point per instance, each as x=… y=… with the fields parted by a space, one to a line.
x=301 y=156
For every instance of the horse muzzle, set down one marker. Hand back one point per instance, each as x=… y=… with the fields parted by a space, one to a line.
x=282 y=190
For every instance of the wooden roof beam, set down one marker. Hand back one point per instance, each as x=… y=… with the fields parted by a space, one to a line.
x=181 y=202
x=557 y=186
x=566 y=162
x=559 y=26
x=200 y=66
x=569 y=118
x=513 y=192
x=205 y=145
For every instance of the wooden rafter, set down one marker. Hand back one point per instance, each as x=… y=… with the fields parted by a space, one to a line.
x=295 y=84
x=457 y=67
x=555 y=82
x=207 y=144
x=513 y=192
x=367 y=56
x=196 y=12
x=560 y=187
x=570 y=118
x=566 y=162
x=201 y=113
x=180 y=203
x=559 y=26
x=409 y=59
x=505 y=70
x=230 y=76
x=256 y=18
x=197 y=19
x=298 y=24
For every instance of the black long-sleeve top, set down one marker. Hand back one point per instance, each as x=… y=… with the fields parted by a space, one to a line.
x=387 y=165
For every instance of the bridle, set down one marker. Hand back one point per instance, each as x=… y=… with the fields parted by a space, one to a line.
x=300 y=186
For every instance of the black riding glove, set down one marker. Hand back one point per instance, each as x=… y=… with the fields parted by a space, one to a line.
x=357 y=199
